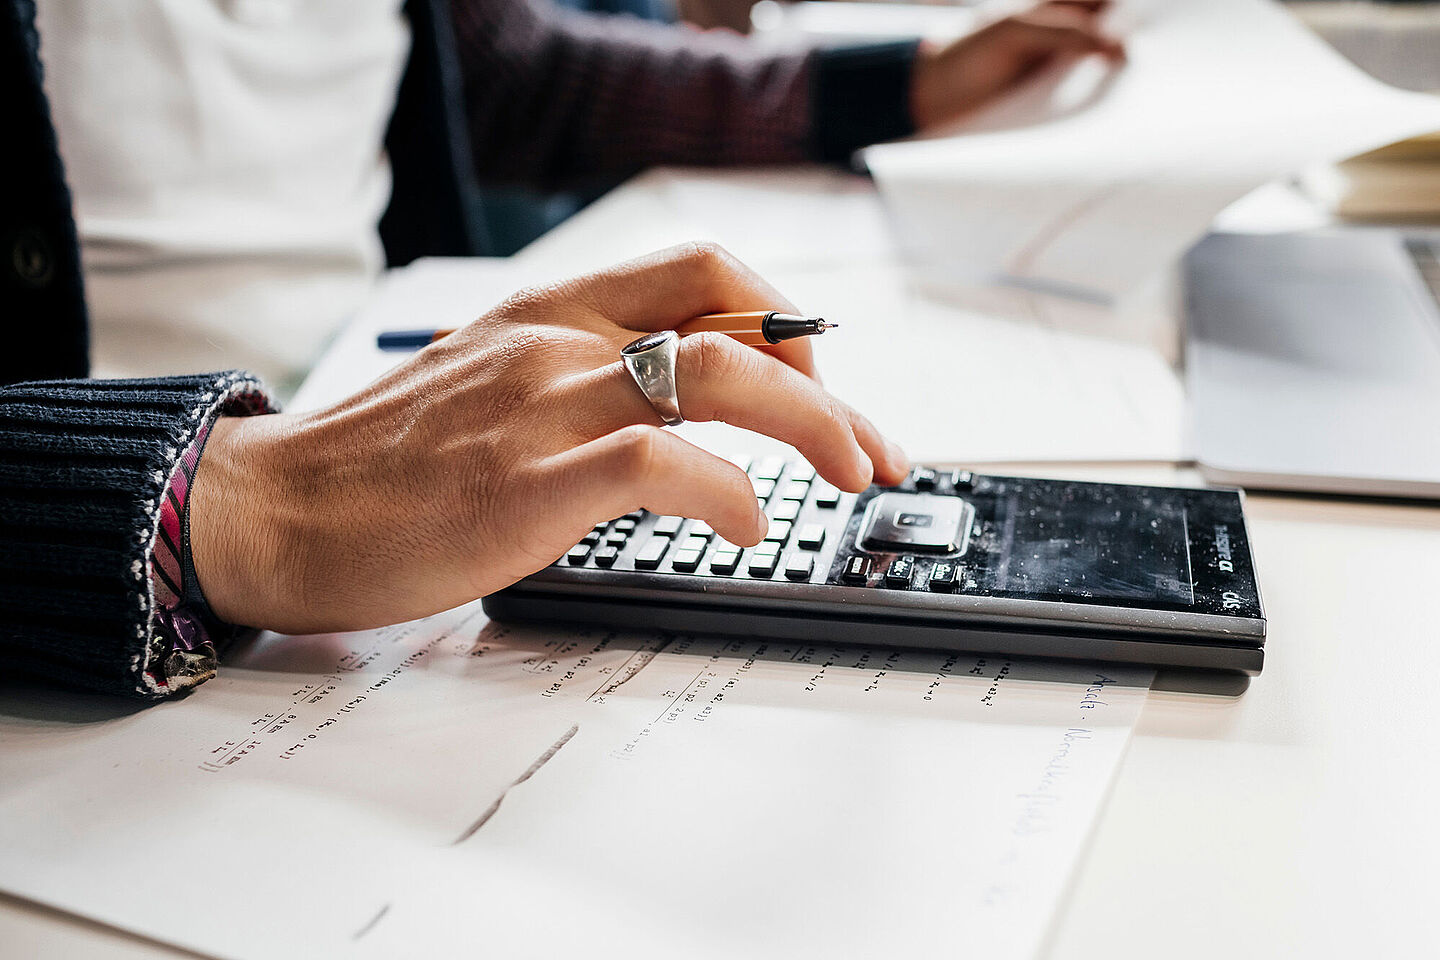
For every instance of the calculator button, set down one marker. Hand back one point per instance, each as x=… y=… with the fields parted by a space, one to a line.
x=740 y=460
x=668 y=526
x=795 y=490
x=590 y=539
x=801 y=470
x=857 y=570
x=962 y=480
x=701 y=529
x=900 y=572
x=763 y=488
x=943 y=576
x=779 y=531
x=915 y=521
x=623 y=525
x=925 y=478
x=724 y=561
x=769 y=469
x=800 y=566
x=652 y=553
x=785 y=510
x=578 y=554
x=826 y=495
x=762 y=564
x=686 y=560
x=605 y=556
x=617 y=540
x=697 y=544
x=811 y=536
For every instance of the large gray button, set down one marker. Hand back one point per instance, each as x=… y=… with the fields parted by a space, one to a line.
x=916 y=521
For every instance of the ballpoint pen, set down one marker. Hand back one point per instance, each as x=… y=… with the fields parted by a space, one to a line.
x=756 y=328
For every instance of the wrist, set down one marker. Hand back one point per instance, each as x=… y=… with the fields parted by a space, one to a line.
x=236 y=518
x=931 y=101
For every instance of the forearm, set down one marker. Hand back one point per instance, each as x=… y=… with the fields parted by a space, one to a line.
x=555 y=97
x=85 y=467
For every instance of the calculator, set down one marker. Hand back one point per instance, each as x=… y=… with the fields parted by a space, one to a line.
x=950 y=560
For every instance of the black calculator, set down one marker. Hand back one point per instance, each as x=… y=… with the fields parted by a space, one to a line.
x=950 y=559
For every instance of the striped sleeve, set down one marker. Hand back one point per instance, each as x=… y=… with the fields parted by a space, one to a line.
x=555 y=97
x=85 y=467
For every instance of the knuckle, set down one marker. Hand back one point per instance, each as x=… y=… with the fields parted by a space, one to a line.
x=638 y=450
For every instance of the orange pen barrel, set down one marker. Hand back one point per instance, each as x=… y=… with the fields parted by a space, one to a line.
x=756 y=329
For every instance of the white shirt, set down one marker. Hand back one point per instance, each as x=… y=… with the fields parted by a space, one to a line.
x=226 y=162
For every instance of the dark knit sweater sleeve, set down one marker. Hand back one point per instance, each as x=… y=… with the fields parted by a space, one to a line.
x=84 y=466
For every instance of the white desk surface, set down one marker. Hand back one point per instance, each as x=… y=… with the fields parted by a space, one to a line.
x=1293 y=816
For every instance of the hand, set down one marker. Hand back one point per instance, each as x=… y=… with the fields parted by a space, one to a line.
x=491 y=452
x=956 y=79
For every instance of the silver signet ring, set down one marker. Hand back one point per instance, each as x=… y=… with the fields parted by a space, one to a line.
x=651 y=362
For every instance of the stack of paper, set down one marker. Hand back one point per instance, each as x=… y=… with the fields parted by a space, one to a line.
x=1094 y=179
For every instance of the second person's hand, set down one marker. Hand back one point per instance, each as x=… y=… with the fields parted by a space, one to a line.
x=953 y=80
x=490 y=453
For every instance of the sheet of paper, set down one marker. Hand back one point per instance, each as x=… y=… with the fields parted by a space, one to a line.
x=1094 y=178
x=259 y=817
x=759 y=798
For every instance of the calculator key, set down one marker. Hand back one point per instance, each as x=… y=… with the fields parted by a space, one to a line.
x=826 y=495
x=590 y=539
x=724 y=561
x=741 y=460
x=698 y=544
x=668 y=526
x=652 y=553
x=605 y=556
x=779 y=531
x=962 y=479
x=701 y=529
x=686 y=560
x=811 y=536
x=578 y=554
x=769 y=469
x=801 y=470
x=785 y=510
x=800 y=566
x=617 y=540
x=623 y=525
x=902 y=569
x=763 y=488
x=925 y=478
x=943 y=576
x=857 y=570
x=795 y=490
x=762 y=564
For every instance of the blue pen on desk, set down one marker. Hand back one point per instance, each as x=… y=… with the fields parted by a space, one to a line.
x=754 y=328
x=408 y=339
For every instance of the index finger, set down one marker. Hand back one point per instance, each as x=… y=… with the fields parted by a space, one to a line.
x=662 y=290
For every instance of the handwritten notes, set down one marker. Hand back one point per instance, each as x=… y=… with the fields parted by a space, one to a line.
x=755 y=797
x=453 y=782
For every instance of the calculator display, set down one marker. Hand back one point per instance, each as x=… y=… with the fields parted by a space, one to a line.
x=1161 y=548
x=1092 y=543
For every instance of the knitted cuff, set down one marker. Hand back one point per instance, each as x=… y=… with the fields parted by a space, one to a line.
x=85 y=466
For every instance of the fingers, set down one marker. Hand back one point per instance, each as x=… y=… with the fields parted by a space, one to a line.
x=718 y=379
x=643 y=467
x=1068 y=26
x=663 y=289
